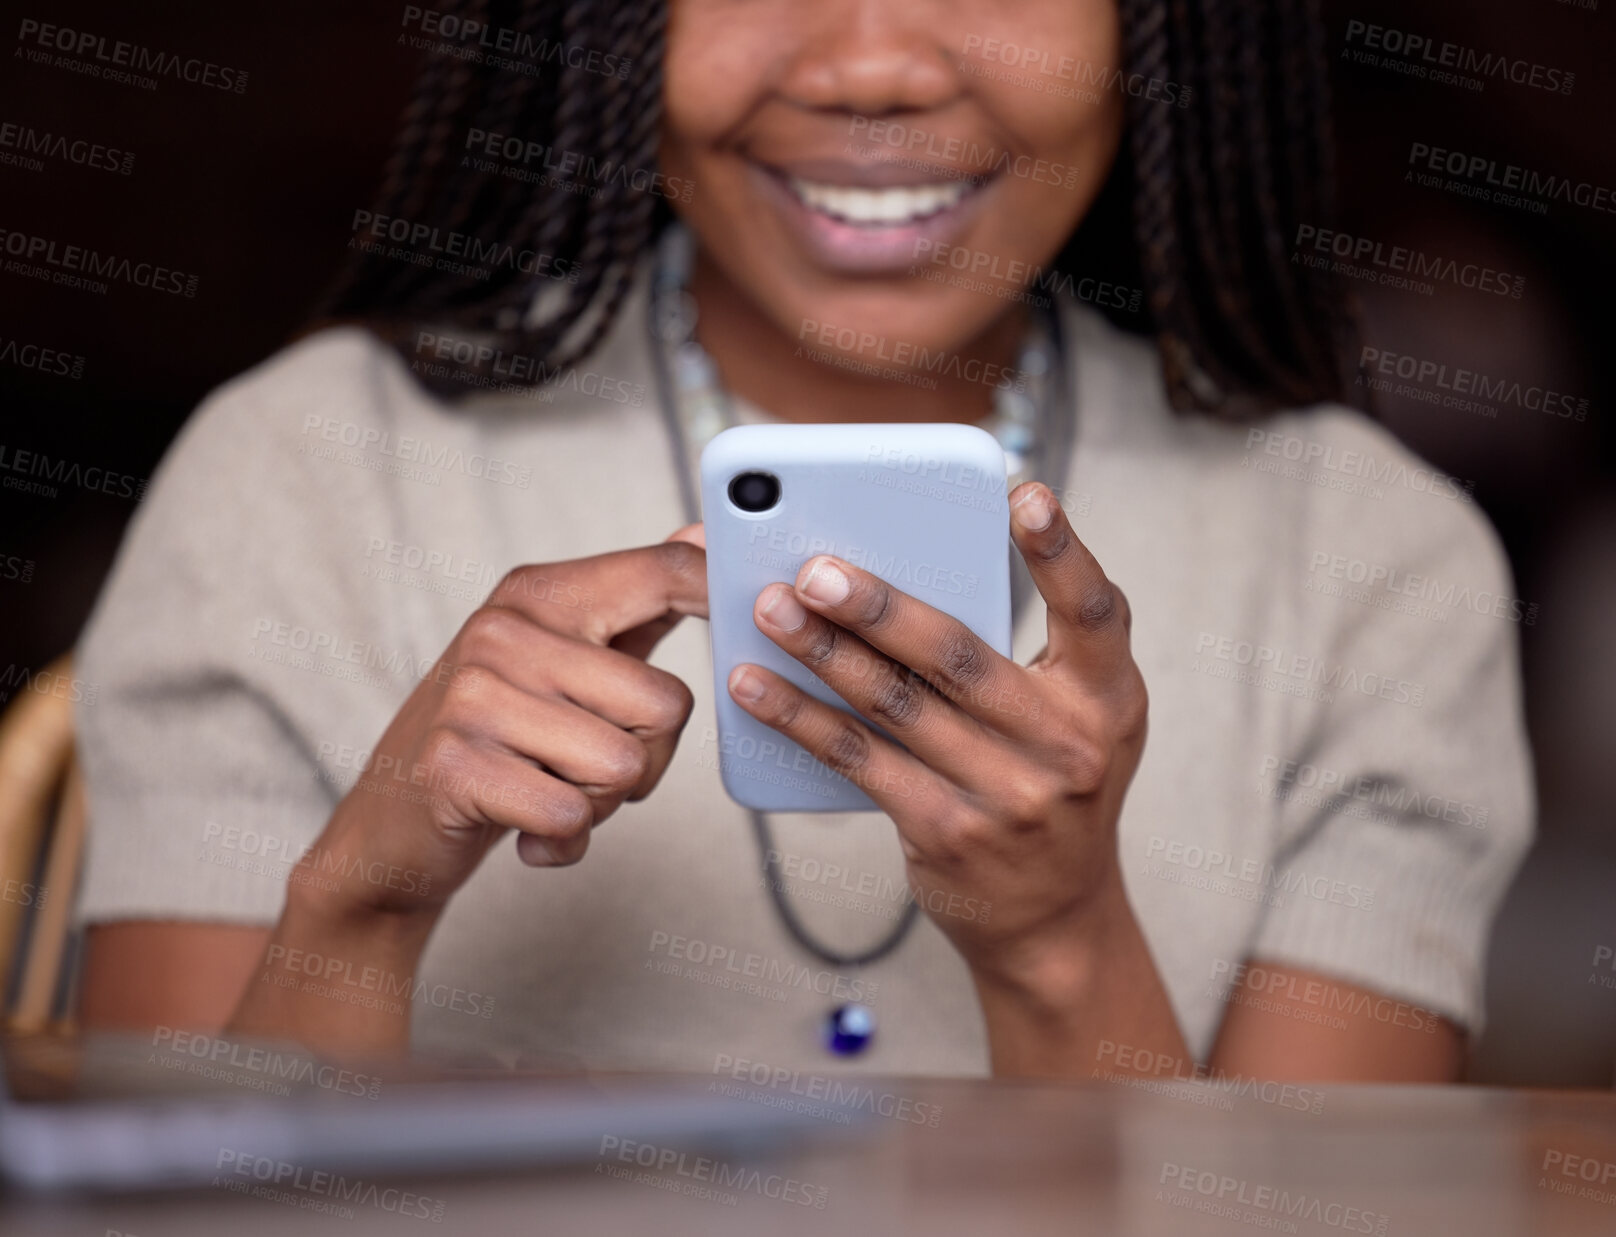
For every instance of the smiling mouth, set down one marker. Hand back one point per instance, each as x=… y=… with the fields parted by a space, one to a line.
x=884 y=207
x=861 y=219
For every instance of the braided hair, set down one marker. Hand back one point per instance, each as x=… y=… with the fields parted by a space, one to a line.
x=1215 y=178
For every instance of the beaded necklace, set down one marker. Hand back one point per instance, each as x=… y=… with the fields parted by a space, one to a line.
x=697 y=408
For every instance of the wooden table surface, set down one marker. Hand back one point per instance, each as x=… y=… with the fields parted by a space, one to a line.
x=987 y=1158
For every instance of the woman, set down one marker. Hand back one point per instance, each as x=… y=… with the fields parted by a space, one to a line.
x=872 y=206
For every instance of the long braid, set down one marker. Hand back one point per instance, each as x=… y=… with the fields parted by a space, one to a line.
x=613 y=231
x=605 y=233
x=546 y=217
x=484 y=204
x=1306 y=148
x=1155 y=141
x=1256 y=82
x=1237 y=54
x=1293 y=182
x=460 y=87
x=1218 y=198
x=1216 y=174
x=632 y=233
x=1331 y=302
x=504 y=104
x=603 y=128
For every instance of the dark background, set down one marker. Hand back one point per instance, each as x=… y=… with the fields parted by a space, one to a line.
x=254 y=193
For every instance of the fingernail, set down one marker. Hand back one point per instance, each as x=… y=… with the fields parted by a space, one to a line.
x=531 y=850
x=744 y=685
x=1034 y=511
x=784 y=611
x=826 y=582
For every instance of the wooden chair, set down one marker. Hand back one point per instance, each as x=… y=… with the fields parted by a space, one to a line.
x=42 y=820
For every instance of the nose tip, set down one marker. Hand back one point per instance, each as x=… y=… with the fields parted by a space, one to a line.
x=873 y=69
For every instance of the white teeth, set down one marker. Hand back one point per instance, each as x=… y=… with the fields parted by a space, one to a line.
x=899 y=204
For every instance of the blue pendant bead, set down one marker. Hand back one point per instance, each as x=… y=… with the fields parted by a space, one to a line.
x=849 y=1029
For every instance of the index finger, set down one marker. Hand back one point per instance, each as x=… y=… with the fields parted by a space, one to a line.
x=695 y=534
x=600 y=598
x=1088 y=615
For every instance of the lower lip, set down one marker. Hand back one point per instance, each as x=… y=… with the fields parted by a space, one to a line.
x=867 y=249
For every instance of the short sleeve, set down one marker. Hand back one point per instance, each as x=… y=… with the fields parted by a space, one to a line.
x=1404 y=797
x=204 y=652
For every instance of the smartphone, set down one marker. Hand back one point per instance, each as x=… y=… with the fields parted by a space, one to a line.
x=922 y=506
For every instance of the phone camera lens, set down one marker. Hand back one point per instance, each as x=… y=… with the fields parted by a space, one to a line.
x=754 y=491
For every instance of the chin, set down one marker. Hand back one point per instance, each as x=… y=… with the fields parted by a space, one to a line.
x=914 y=314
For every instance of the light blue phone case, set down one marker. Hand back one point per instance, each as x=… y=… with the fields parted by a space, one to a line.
x=922 y=506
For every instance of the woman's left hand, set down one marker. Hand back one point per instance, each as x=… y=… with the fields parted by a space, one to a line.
x=1008 y=794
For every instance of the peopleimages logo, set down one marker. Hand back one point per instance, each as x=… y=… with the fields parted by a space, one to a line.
x=768 y=970
x=1235 y=1198
x=1137 y=1066
x=1604 y=961
x=1316 y=785
x=1357 y=465
x=1233 y=981
x=417 y=243
x=17 y=677
x=328 y=1191
x=1257 y=873
x=983 y=264
x=1283 y=664
x=700 y=1170
x=485 y=40
x=435 y=571
x=815 y=880
x=367 y=986
x=246 y=849
x=32 y=464
x=28 y=142
x=1398 y=266
x=21 y=893
x=1419 y=55
x=1393 y=579
x=46 y=360
x=512 y=371
x=837 y=1095
x=783 y=549
x=1038 y=59
x=1509 y=176
x=266 y=1069
x=513 y=156
x=1585 y=1176
x=1459 y=384
x=111 y=58
x=75 y=265
x=906 y=356
x=980 y=162
x=375 y=449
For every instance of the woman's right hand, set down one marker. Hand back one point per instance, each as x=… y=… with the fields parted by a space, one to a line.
x=541 y=717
